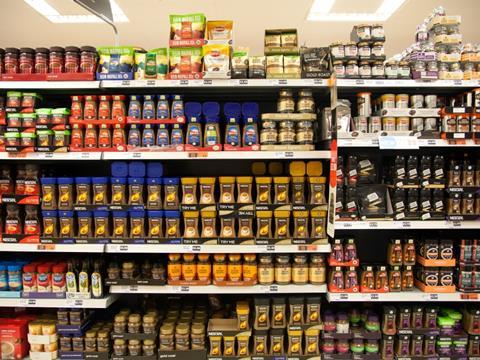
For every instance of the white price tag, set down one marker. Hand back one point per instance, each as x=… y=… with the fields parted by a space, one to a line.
x=284 y=154
x=136 y=155
x=272 y=289
x=374 y=297
x=122 y=248
x=398 y=142
x=373 y=224
x=344 y=296
x=85 y=155
x=150 y=83
x=74 y=302
x=406 y=224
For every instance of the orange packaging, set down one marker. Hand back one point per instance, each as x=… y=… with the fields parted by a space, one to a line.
x=104 y=140
x=189 y=267
x=250 y=267
x=204 y=269
x=174 y=267
x=234 y=268
x=90 y=137
x=118 y=136
x=219 y=267
x=76 y=140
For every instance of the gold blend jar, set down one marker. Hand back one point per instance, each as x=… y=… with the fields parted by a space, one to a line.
x=266 y=272
x=300 y=269
x=283 y=270
x=285 y=103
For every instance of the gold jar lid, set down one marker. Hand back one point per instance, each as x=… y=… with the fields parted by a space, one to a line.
x=148 y=318
x=203 y=257
x=189 y=257
x=133 y=318
x=133 y=342
x=103 y=334
x=250 y=257
x=198 y=329
x=148 y=342
x=219 y=257
x=166 y=329
x=234 y=257
x=128 y=265
x=120 y=318
x=182 y=329
x=91 y=334
x=174 y=257
x=119 y=342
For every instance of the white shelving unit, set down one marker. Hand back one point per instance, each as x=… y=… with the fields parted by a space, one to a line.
x=406 y=225
x=214 y=249
x=51 y=156
x=212 y=289
x=216 y=155
x=61 y=248
x=404 y=296
x=49 y=85
x=60 y=303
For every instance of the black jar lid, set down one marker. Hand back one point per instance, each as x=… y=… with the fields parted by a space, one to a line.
x=57 y=49
x=72 y=49
x=27 y=50
x=41 y=50
x=11 y=50
x=88 y=48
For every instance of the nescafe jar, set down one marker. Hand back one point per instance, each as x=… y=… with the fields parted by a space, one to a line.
x=57 y=60
x=41 y=60
x=72 y=59
x=88 y=59
x=26 y=63
x=11 y=60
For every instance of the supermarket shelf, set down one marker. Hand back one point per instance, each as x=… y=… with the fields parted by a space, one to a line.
x=421 y=143
x=212 y=289
x=51 y=85
x=214 y=249
x=214 y=83
x=216 y=155
x=51 y=156
x=60 y=303
x=385 y=83
x=414 y=224
x=405 y=296
x=64 y=248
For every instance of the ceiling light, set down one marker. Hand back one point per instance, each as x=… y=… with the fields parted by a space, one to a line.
x=320 y=11
x=54 y=16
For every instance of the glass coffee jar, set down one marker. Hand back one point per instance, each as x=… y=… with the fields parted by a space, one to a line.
x=286 y=103
x=305 y=103
x=286 y=135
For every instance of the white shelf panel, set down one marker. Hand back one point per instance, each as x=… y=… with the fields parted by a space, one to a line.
x=214 y=83
x=214 y=249
x=212 y=289
x=63 y=248
x=405 y=296
x=361 y=142
x=413 y=224
x=50 y=85
x=216 y=155
x=51 y=156
x=60 y=303
x=407 y=83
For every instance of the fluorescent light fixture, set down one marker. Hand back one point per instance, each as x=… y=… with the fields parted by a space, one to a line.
x=320 y=11
x=44 y=8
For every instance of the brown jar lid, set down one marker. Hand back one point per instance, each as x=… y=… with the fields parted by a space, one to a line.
x=198 y=329
x=149 y=318
x=182 y=329
x=91 y=334
x=134 y=318
x=103 y=334
x=133 y=342
x=148 y=342
x=166 y=329
x=57 y=49
x=120 y=318
x=119 y=342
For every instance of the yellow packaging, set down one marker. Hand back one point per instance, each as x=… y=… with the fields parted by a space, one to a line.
x=295 y=342
x=228 y=346
x=282 y=224
x=219 y=267
x=242 y=347
x=207 y=190
x=234 y=267
x=174 y=267
x=204 y=269
x=190 y=220
x=227 y=189
x=215 y=345
x=263 y=190
x=219 y=30
x=189 y=189
x=209 y=228
x=297 y=168
x=314 y=168
x=216 y=57
x=243 y=313
x=311 y=341
x=281 y=189
x=264 y=224
x=189 y=267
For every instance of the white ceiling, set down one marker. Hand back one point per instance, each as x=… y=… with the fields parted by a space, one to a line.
x=149 y=22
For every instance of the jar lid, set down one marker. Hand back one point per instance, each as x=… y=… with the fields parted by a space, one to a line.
x=88 y=49
x=363 y=43
x=198 y=329
x=171 y=181
x=105 y=97
x=49 y=213
x=182 y=329
x=100 y=180
x=134 y=318
x=29 y=268
x=44 y=268
x=136 y=180
x=338 y=62
x=338 y=43
x=48 y=180
x=90 y=334
x=133 y=342
x=68 y=213
x=119 y=180
x=57 y=49
x=65 y=180
x=154 y=181
x=83 y=180
x=119 y=342
x=148 y=342
x=72 y=49
x=11 y=50
x=27 y=50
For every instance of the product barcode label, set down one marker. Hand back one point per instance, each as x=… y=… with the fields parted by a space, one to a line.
x=75 y=302
x=123 y=248
x=207 y=82
x=282 y=82
x=184 y=82
x=151 y=83
x=343 y=297
x=273 y=288
x=126 y=83
x=196 y=248
x=30 y=302
x=136 y=155
x=270 y=248
x=373 y=224
x=406 y=224
x=374 y=297
x=243 y=82
x=184 y=289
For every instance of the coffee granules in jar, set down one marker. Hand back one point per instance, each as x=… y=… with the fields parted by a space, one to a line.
x=83 y=190
x=207 y=190
x=282 y=224
x=227 y=188
x=49 y=223
x=262 y=314
x=72 y=59
x=264 y=190
x=281 y=186
x=283 y=270
x=155 y=223
x=190 y=221
x=56 y=60
x=300 y=223
x=135 y=190
x=120 y=224
x=317 y=270
x=100 y=187
x=227 y=227
x=172 y=224
x=26 y=61
x=266 y=270
x=118 y=190
x=49 y=193
x=137 y=224
x=154 y=191
x=88 y=59
x=66 y=224
x=264 y=224
x=244 y=189
x=285 y=103
x=101 y=219
x=317 y=190
x=65 y=193
x=245 y=228
x=85 y=228
x=249 y=268
x=209 y=224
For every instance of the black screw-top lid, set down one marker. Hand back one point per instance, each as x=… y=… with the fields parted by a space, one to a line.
x=88 y=48
x=72 y=49
x=41 y=50
x=2 y=52
x=11 y=50
x=57 y=49
x=27 y=50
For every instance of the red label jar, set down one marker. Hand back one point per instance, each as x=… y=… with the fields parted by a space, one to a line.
x=72 y=59
x=118 y=106
x=41 y=60
x=90 y=107
x=11 y=60
x=104 y=110
x=29 y=278
x=26 y=63
x=88 y=59
x=58 y=278
x=57 y=60
x=76 y=111
x=44 y=278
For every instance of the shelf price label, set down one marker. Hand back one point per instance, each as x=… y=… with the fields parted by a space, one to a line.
x=74 y=302
x=270 y=248
x=136 y=155
x=28 y=302
x=373 y=224
x=125 y=82
x=374 y=297
x=207 y=82
x=343 y=296
x=183 y=82
x=272 y=289
x=406 y=224
x=398 y=142
x=184 y=289
x=284 y=154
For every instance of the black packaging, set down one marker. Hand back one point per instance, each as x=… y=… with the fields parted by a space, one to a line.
x=425 y=165
x=412 y=164
x=412 y=200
